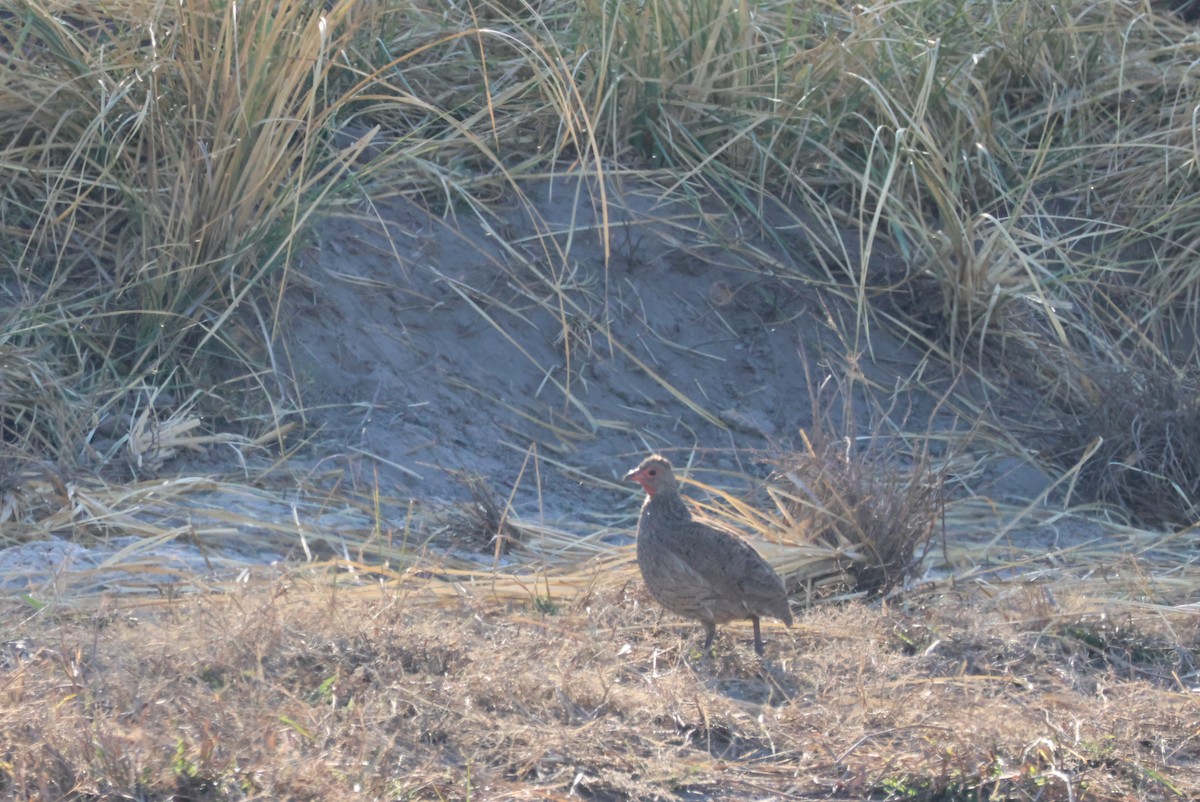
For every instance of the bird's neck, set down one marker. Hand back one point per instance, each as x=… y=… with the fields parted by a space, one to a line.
x=667 y=503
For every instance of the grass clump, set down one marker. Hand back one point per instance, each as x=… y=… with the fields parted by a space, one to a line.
x=162 y=170
x=865 y=509
x=862 y=502
x=195 y=149
x=1140 y=442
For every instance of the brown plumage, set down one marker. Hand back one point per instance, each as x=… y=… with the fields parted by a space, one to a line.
x=695 y=570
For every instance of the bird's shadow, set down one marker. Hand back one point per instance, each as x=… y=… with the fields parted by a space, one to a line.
x=738 y=673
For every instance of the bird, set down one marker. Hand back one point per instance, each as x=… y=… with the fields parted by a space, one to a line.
x=695 y=570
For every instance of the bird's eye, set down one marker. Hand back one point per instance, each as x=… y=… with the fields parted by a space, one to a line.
x=652 y=472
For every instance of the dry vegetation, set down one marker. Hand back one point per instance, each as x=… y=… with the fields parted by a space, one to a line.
x=1031 y=168
x=296 y=692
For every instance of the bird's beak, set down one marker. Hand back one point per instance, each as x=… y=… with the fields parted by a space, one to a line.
x=634 y=476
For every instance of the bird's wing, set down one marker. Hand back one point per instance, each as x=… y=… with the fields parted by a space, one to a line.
x=725 y=561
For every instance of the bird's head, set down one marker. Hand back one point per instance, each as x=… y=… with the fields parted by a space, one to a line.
x=654 y=474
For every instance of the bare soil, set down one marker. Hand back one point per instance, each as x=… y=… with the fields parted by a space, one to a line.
x=428 y=348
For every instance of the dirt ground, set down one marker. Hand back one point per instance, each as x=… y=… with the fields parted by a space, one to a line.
x=429 y=348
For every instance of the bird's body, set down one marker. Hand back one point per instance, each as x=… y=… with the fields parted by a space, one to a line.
x=697 y=571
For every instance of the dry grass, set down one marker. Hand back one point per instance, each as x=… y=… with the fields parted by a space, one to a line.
x=1143 y=432
x=1018 y=184
x=167 y=162
x=148 y=249
x=315 y=691
x=885 y=515
x=1031 y=166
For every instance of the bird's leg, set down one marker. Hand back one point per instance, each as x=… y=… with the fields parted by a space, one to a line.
x=758 y=642
x=710 y=632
